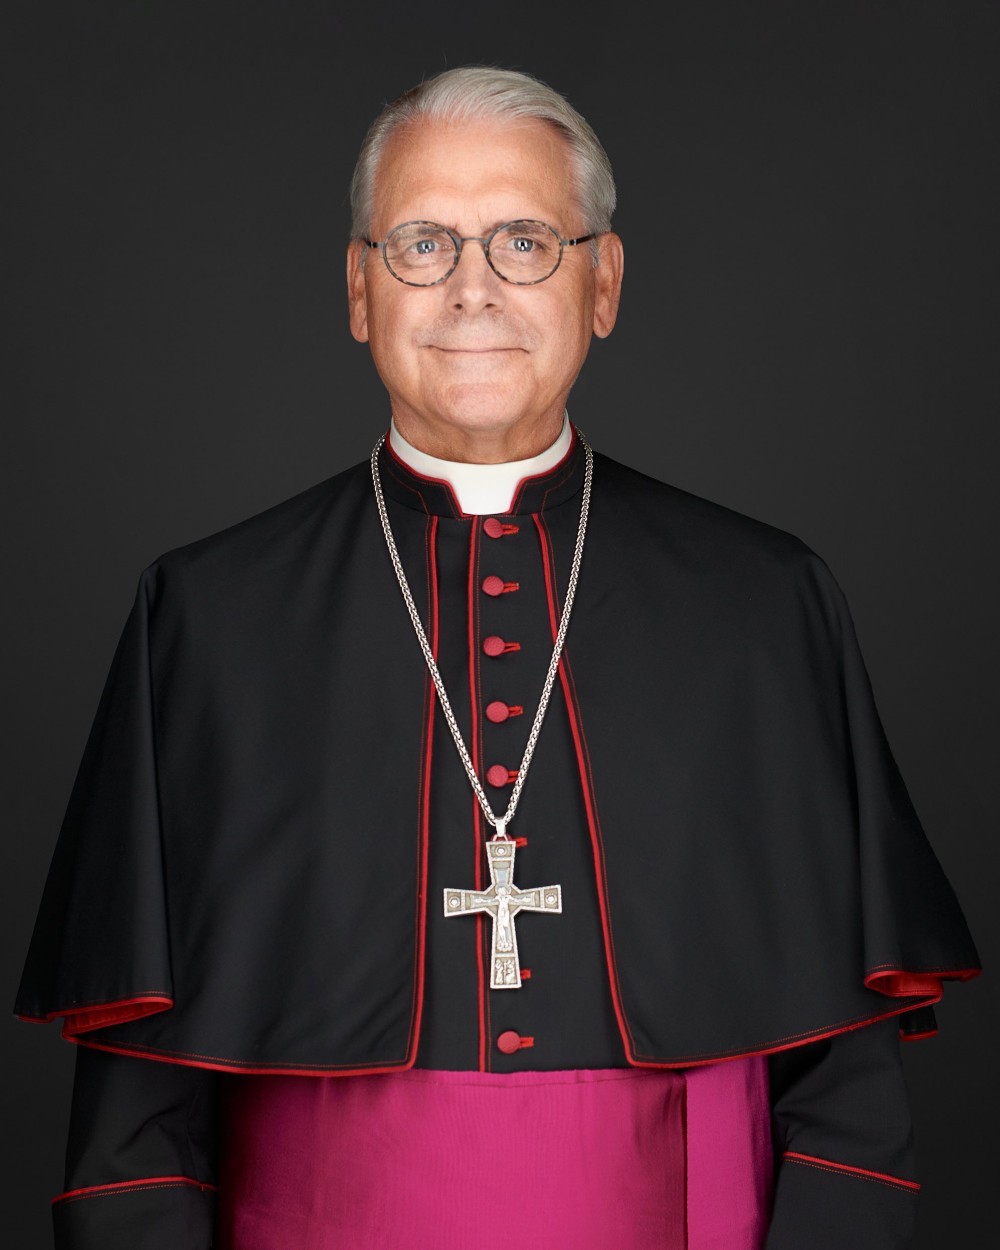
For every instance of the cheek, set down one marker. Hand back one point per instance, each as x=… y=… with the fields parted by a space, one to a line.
x=390 y=336
x=566 y=329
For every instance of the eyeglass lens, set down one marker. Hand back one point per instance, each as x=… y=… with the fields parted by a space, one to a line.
x=422 y=253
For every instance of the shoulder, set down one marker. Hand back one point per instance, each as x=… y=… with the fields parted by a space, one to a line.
x=712 y=544
x=265 y=548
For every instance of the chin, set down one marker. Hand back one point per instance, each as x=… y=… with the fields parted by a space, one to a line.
x=475 y=408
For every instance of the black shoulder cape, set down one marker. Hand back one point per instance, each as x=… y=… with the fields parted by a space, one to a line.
x=245 y=876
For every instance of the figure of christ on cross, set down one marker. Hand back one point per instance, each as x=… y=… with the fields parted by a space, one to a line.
x=503 y=900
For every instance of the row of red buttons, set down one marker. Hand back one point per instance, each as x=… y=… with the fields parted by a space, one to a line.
x=509 y=1042
x=497 y=775
x=498 y=711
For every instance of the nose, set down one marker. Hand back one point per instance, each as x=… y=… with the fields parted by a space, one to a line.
x=473 y=285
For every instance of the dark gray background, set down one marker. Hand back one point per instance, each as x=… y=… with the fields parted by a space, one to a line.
x=808 y=334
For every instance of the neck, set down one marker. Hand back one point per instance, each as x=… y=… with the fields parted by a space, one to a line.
x=481 y=488
x=525 y=438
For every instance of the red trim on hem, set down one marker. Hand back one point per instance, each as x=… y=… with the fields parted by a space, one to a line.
x=214 y=1063
x=897 y=1182
x=916 y=1037
x=897 y=982
x=217 y=1064
x=785 y=1043
x=102 y=1015
x=147 y=1182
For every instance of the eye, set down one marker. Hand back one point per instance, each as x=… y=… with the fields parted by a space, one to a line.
x=523 y=241
x=419 y=243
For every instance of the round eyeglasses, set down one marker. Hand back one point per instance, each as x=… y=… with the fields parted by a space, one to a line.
x=424 y=253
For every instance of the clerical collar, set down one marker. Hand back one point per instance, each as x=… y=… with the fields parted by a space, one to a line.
x=481 y=489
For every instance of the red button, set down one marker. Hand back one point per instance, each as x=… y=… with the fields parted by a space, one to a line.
x=494 y=645
x=497 y=712
x=497 y=775
x=493 y=528
x=509 y=1042
x=493 y=585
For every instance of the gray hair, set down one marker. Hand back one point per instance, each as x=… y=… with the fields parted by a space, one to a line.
x=480 y=91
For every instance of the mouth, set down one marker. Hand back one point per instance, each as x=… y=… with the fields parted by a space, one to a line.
x=472 y=351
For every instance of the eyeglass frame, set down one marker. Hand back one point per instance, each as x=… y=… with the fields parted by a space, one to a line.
x=486 y=240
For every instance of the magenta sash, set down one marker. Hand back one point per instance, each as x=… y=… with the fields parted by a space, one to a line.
x=612 y=1159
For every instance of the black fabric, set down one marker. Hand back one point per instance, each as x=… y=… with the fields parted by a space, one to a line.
x=142 y=1160
x=148 y=1217
x=829 y=1210
x=842 y=1104
x=132 y=1118
x=844 y=1100
x=248 y=833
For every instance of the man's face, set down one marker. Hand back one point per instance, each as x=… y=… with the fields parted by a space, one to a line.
x=475 y=355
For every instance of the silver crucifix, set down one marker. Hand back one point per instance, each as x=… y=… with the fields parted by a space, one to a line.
x=503 y=900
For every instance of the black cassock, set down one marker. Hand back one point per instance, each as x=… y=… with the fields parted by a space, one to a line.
x=269 y=807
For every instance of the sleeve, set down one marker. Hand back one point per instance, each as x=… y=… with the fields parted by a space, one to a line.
x=843 y=1144
x=141 y=1161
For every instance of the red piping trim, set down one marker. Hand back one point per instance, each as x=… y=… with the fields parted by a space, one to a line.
x=148 y=1182
x=588 y=799
x=827 y=1165
x=785 y=1043
x=424 y=798
x=102 y=1015
x=916 y=1037
x=423 y=477
x=897 y=982
x=218 y=1064
x=539 y=477
x=214 y=1063
x=394 y=472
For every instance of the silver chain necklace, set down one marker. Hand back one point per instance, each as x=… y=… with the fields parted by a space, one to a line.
x=502 y=900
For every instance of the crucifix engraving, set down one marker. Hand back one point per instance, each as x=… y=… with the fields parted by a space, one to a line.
x=503 y=900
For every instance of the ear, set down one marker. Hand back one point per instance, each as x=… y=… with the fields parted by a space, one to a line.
x=608 y=283
x=357 y=293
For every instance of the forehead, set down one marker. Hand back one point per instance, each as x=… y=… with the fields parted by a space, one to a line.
x=475 y=174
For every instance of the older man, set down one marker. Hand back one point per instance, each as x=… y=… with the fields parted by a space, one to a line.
x=489 y=845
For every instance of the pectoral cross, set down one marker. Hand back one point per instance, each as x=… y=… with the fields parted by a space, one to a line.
x=503 y=900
